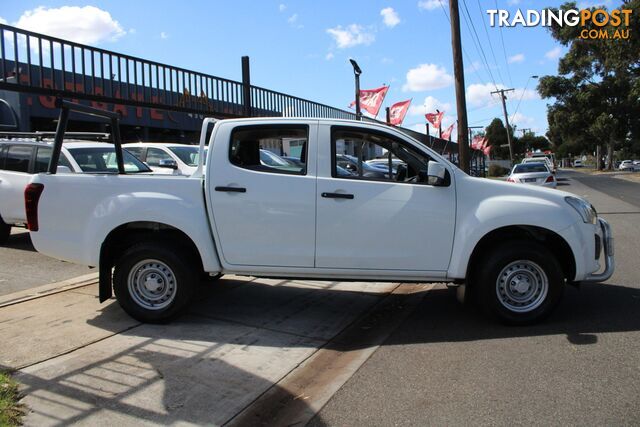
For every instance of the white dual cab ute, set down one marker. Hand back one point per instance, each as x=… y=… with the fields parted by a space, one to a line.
x=512 y=248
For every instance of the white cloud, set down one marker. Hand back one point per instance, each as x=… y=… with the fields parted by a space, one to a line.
x=431 y=4
x=521 y=120
x=479 y=95
x=513 y=2
x=427 y=77
x=430 y=105
x=88 y=24
x=475 y=66
x=519 y=57
x=350 y=36
x=164 y=35
x=282 y=7
x=293 y=18
x=329 y=56
x=390 y=17
x=554 y=53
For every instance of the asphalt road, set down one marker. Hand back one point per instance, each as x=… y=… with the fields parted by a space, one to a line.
x=21 y=267
x=447 y=365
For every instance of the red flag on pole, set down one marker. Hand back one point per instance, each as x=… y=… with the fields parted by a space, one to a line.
x=398 y=111
x=486 y=150
x=447 y=133
x=478 y=142
x=371 y=99
x=435 y=119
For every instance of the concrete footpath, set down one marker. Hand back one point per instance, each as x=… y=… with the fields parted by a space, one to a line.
x=250 y=351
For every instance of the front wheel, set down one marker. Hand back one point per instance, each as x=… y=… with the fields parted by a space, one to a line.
x=152 y=283
x=520 y=283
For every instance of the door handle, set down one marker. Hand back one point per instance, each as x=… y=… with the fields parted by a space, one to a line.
x=337 y=196
x=232 y=189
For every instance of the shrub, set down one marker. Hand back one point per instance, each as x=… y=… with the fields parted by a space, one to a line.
x=497 y=170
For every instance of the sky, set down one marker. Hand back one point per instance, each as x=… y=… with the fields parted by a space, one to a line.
x=302 y=48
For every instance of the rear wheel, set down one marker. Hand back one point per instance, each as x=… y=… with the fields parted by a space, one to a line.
x=152 y=283
x=5 y=231
x=520 y=283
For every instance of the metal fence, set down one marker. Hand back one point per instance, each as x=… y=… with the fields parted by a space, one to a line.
x=31 y=62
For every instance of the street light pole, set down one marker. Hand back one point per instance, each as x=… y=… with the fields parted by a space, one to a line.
x=356 y=72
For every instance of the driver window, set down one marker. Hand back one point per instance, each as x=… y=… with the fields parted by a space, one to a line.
x=375 y=156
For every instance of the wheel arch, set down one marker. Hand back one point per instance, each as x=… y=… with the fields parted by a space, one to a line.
x=125 y=235
x=548 y=238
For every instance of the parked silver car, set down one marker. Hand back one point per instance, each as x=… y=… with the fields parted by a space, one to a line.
x=533 y=173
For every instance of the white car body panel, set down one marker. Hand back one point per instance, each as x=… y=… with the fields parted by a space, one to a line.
x=12 y=186
x=183 y=168
x=428 y=233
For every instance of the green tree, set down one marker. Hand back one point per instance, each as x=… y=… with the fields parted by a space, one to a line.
x=597 y=91
x=496 y=135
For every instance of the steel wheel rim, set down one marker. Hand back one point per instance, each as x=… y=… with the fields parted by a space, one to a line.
x=522 y=286
x=152 y=284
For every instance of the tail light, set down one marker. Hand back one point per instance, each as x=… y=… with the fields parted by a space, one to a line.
x=31 y=198
x=550 y=179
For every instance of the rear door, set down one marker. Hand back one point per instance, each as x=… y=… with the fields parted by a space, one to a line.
x=263 y=205
x=14 y=177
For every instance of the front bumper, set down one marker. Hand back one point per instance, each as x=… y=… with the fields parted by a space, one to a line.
x=609 y=260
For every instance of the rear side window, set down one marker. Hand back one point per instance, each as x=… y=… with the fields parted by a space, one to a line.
x=264 y=148
x=17 y=158
x=43 y=156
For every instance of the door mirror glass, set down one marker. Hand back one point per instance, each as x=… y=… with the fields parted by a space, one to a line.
x=435 y=174
x=168 y=163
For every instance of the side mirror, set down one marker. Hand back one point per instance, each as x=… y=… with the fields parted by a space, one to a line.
x=63 y=169
x=435 y=174
x=168 y=163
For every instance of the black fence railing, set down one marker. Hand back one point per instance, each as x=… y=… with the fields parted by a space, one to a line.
x=31 y=62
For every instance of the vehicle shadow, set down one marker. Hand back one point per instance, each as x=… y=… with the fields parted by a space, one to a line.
x=321 y=313
x=195 y=362
x=20 y=241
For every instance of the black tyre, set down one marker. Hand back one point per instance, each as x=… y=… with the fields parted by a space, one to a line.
x=208 y=279
x=5 y=231
x=152 y=283
x=519 y=283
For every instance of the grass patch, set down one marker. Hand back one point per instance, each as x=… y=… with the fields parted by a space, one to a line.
x=11 y=411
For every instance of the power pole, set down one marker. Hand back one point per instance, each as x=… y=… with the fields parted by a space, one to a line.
x=461 y=101
x=506 y=118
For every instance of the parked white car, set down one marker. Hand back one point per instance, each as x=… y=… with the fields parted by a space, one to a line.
x=547 y=161
x=21 y=158
x=628 y=165
x=182 y=159
x=512 y=247
x=578 y=163
x=533 y=173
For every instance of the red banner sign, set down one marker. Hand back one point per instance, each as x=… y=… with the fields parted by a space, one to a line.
x=371 y=99
x=435 y=119
x=398 y=111
x=447 y=133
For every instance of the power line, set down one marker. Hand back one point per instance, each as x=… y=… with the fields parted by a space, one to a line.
x=479 y=44
x=486 y=31
x=466 y=55
x=504 y=51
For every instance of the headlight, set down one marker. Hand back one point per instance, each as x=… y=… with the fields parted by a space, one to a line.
x=586 y=211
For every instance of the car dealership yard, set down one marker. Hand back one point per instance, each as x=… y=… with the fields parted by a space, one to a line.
x=256 y=351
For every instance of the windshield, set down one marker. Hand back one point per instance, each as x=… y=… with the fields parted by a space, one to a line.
x=103 y=160
x=530 y=168
x=188 y=154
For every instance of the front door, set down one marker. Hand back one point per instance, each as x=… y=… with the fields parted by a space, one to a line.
x=386 y=220
x=263 y=205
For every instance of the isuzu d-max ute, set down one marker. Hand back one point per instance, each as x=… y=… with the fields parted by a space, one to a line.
x=513 y=248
